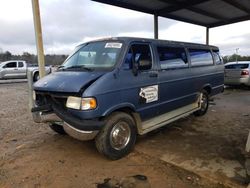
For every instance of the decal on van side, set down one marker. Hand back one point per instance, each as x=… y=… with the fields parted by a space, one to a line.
x=148 y=94
x=113 y=45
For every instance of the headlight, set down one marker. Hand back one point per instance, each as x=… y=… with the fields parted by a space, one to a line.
x=79 y=103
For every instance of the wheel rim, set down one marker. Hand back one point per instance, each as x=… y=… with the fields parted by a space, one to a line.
x=120 y=135
x=204 y=102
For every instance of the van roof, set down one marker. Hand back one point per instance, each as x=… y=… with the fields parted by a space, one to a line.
x=157 y=41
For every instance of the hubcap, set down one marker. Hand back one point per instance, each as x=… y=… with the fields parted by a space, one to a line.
x=120 y=135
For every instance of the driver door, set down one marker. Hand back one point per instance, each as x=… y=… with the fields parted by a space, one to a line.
x=139 y=80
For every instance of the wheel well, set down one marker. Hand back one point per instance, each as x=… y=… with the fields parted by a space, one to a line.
x=208 y=89
x=132 y=113
x=34 y=75
x=126 y=110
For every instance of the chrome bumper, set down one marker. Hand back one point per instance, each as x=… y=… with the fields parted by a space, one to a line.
x=39 y=117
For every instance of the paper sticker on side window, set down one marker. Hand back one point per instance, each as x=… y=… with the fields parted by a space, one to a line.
x=148 y=94
x=113 y=45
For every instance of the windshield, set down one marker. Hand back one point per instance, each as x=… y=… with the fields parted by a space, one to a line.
x=94 y=55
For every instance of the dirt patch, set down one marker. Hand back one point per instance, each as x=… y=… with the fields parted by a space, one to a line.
x=212 y=145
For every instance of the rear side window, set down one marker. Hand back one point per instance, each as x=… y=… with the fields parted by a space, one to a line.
x=200 y=57
x=172 y=57
x=237 y=66
x=20 y=64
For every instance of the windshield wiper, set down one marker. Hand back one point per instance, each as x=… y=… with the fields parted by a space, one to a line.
x=60 y=67
x=82 y=67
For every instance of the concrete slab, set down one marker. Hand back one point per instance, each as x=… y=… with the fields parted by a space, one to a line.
x=211 y=146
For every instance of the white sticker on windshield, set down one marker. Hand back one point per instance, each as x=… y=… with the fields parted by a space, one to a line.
x=148 y=94
x=113 y=45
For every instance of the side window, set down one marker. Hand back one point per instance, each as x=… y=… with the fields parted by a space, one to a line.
x=10 y=65
x=172 y=57
x=217 y=58
x=20 y=64
x=200 y=57
x=139 y=54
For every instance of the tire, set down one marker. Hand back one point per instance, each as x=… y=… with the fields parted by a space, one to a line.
x=36 y=77
x=119 y=127
x=57 y=128
x=204 y=104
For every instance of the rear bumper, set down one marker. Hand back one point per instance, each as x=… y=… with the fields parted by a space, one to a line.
x=237 y=81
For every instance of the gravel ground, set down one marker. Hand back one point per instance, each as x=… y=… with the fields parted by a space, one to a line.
x=32 y=155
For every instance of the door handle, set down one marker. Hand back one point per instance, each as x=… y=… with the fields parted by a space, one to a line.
x=15 y=69
x=153 y=74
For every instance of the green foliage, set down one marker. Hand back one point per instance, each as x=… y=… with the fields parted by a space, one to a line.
x=235 y=57
x=32 y=59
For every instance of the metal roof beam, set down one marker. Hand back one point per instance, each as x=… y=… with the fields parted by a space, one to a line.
x=126 y=5
x=196 y=10
x=236 y=20
x=182 y=19
x=208 y=14
x=179 y=5
x=237 y=5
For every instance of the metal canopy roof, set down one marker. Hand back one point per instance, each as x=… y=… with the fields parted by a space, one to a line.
x=208 y=13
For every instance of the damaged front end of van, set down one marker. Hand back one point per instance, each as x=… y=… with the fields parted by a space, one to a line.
x=64 y=100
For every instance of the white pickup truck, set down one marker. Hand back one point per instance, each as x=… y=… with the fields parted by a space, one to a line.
x=18 y=69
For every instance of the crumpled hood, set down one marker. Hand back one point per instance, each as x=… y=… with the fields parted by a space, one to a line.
x=66 y=81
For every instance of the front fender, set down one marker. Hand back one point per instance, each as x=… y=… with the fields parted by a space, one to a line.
x=117 y=107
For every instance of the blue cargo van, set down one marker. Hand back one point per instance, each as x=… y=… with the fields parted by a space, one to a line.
x=113 y=89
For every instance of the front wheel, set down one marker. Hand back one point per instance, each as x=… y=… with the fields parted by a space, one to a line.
x=118 y=136
x=204 y=103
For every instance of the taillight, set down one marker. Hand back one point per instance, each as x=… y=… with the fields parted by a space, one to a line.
x=244 y=73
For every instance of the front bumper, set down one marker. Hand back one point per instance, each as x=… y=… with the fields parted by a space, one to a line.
x=54 y=113
x=39 y=117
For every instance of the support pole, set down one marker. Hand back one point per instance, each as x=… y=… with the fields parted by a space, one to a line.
x=155 y=26
x=207 y=35
x=39 y=38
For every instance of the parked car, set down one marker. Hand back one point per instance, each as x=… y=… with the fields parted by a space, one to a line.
x=113 y=89
x=237 y=73
x=18 y=69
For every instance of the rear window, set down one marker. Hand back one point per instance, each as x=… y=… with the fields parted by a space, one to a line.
x=237 y=66
x=200 y=57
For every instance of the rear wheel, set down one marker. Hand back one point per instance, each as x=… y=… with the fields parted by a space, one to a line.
x=57 y=128
x=118 y=136
x=204 y=103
